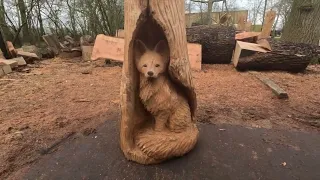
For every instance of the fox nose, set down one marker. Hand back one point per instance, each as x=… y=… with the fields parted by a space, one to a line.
x=150 y=73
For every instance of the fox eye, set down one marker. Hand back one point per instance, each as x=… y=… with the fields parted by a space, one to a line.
x=144 y=65
x=157 y=65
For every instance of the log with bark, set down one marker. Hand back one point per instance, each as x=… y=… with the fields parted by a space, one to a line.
x=218 y=42
x=284 y=56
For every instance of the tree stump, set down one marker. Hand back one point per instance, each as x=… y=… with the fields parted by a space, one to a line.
x=155 y=126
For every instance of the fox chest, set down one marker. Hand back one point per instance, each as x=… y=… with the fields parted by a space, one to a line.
x=158 y=97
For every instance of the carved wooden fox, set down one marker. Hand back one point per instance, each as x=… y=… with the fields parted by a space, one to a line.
x=173 y=132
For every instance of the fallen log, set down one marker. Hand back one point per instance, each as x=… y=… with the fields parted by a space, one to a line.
x=273 y=61
x=217 y=42
x=285 y=56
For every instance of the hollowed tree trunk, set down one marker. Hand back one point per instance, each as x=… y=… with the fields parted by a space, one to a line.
x=151 y=21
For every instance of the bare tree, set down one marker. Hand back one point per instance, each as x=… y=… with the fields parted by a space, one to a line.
x=30 y=19
x=256 y=10
x=210 y=7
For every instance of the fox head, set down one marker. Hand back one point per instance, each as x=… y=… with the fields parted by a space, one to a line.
x=151 y=63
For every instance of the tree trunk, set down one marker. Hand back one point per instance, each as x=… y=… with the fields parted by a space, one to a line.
x=4 y=47
x=303 y=25
x=152 y=21
x=40 y=19
x=217 y=43
x=72 y=18
x=5 y=28
x=209 y=18
x=24 y=20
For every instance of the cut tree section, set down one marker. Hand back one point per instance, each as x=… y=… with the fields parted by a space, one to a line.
x=152 y=22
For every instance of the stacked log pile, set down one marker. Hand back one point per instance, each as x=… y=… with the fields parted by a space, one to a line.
x=218 y=42
x=69 y=47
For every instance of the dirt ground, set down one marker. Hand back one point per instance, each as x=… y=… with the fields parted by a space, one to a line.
x=53 y=99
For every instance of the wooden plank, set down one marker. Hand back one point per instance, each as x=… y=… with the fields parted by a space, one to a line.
x=108 y=47
x=120 y=33
x=28 y=55
x=113 y=48
x=86 y=52
x=251 y=46
x=11 y=63
x=278 y=91
x=245 y=46
x=264 y=43
x=195 y=55
x=236 y=55
x=245 y=35
x=268 y=23
x=6 y=68
x=20 y=61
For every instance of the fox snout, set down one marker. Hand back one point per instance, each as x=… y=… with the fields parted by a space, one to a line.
x=150 y=73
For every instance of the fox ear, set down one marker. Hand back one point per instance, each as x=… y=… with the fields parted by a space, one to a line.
x=140 y=48
x=161 y=47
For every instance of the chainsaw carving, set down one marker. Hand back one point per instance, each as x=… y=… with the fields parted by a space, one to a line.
x=158 y=100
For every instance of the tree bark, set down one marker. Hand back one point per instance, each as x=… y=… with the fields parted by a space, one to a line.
x=217 y=43
x=303 y=25
x=24 y=20
x=273 y=61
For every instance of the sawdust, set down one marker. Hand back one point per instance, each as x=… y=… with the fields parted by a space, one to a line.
x=55 y=98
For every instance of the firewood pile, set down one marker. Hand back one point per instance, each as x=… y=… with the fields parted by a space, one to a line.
x=69 y=47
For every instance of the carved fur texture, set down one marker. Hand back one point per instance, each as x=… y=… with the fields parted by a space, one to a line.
x=173 y=132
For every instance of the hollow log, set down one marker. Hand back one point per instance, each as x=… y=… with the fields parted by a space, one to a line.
x=156 y=27
x=218 y=42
